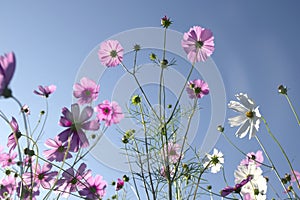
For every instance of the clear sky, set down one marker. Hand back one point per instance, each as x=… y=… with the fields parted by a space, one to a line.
x=257 y=49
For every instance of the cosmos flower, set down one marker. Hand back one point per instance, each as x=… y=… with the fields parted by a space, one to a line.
x=237 y=188
x=197 y=89
x=172 y=152
x=256 y=158
x=111 y=53
x=77 y=123
x=95 y=189
x=110 y=112
x=120 y=184
x=7 y=69
x=45 y=90
x=198 y=43
x=57 y=151
x=214 y=161
x=86 y=91
x=73 y=180
x=14 y=136
x=248 y=118
x=41 y=176
x=256 y=188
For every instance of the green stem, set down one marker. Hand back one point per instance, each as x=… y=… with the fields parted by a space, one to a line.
x=273 y=166
x=281 y=149
x=293 y=109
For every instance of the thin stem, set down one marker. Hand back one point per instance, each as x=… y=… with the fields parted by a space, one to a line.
x=273 y=166
x=281 y=149
x=293 y=109
x=147 y=151
x=133 y=176
x=199 y=178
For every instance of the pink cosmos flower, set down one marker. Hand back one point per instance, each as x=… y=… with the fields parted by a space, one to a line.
x=8 y=187
x=72 y=181
x=41 y=176
x=198 y=43
x=45 y=91
x=25 y=109
x=14 y=136
x=197 y=89
x=252 y=157
x=95 y=189
x=110 y=112
x=76 y=122
x=172 y=152
x=86 y=91
x=293 y=178
x=111 y=53
x=7 y=159
x=57 y=151
x=7 y=69
x=228 y=190
x=120 y=184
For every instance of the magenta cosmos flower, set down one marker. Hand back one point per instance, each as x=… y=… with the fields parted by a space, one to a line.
x=110 y=112
x=86 y=91
x=73 y=180
x=95 y=188
x=8 y=187
x=45 y=91
x=7 y=69
x=41 y=176
x=197 y=89
x=198 y=43
x=77 y=122
x=236 y=189
x=111 y=53
x=57 y=151
x=120 y=184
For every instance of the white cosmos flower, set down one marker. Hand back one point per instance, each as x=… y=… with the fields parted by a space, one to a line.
x=249 y=118
x=215 y=161
x=256 y=188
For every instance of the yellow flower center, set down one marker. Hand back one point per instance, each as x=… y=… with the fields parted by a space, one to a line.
x=250 y=114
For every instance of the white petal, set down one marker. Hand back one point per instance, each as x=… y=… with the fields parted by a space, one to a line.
x=246 y=101
x=237 y=120
x=237 y=106
x=243 y=130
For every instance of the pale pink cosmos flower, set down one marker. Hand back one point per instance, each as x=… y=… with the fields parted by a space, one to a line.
x=41 y=176
x=57 y=151
x=197 y=89
x=110 y=112
x=95 y=188
x=73 y=180
x=111 y=53
x=171 y=152
x=293 y=178
x=14 y=136
x=256 y=158
x=7 y=69
x=8 y=159
x=45 y=91
x=77 y=122
x=198 y=43
x=86 y=91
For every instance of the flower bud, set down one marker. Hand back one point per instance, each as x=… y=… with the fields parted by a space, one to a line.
x=136 y=99
x=136 y=47
x=282 y=90
x=220 y=128
x=166 y=22
x=152 y=57
x=164 y=63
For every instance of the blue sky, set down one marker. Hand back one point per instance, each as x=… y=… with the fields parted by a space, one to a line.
x=257 y=49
